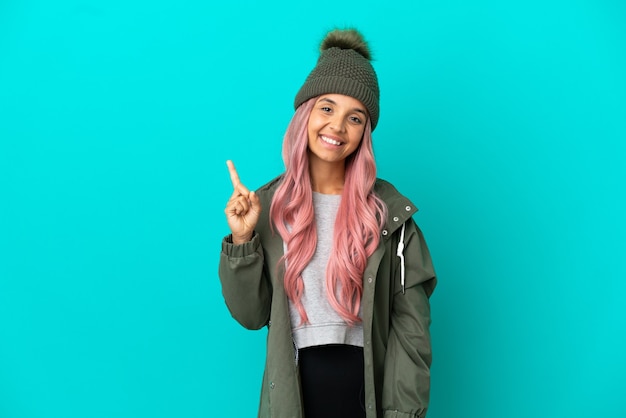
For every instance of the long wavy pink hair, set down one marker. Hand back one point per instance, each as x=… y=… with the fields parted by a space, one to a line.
x=360 y=218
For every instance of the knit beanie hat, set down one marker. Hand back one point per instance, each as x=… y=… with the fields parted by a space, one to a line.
x=343 y=68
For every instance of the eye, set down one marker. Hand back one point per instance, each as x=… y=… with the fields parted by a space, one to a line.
x=355 y=119
x=325 y=109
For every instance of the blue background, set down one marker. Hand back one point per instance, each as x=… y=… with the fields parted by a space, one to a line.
x=503 y=121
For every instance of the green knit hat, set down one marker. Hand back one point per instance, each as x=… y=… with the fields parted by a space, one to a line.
x=343 y=68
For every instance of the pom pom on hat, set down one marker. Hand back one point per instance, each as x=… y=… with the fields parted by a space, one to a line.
x=346 y=39
x=344 y=67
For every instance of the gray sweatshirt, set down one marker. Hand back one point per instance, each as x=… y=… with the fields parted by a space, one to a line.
x=325 y=325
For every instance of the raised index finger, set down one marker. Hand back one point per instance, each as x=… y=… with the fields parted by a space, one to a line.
x=234 y=177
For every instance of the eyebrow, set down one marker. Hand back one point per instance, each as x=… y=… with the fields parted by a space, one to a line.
x=356 y=109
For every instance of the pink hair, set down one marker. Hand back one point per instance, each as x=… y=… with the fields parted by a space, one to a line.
x=360 y=218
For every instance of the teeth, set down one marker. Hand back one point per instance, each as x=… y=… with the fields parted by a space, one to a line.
x=330 y=141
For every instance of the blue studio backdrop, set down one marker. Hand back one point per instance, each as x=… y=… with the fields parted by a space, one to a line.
x=503 y=121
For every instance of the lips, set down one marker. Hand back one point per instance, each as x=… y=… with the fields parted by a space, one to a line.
x=330 y=141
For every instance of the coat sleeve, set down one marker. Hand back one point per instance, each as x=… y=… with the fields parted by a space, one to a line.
x=245 y=286
x=406 y=385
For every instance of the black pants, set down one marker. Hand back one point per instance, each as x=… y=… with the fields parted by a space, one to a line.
x=332 y=381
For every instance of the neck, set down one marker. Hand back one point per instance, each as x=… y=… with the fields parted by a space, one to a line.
x=327 y=178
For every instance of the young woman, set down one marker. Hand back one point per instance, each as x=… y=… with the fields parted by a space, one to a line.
x=328 y=257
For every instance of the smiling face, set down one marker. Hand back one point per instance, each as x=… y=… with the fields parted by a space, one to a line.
x=335 y=128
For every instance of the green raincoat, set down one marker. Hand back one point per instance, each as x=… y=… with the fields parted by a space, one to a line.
x=395 y=311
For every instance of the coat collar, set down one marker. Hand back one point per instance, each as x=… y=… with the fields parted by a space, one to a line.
x=399 y=208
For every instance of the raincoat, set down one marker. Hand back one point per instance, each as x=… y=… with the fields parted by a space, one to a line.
x=397 y=283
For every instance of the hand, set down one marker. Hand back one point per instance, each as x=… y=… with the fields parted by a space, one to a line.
x=242 y=210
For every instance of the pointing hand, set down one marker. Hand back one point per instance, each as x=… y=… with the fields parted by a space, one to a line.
x=242 y=210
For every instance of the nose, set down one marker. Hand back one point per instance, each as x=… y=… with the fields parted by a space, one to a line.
x=338 y=123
